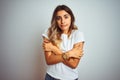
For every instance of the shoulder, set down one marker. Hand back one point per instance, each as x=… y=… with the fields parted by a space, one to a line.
x=77 y=32
x=78 y=36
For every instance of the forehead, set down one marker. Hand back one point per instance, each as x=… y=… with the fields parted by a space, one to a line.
x=62 y=13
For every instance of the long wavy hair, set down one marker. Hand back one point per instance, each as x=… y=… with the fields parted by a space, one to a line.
x=54 y=32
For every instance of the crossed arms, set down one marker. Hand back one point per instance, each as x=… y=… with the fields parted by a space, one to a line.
x=54 y=55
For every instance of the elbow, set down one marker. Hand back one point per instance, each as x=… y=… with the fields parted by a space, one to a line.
x=48 y=63
x=74 y=66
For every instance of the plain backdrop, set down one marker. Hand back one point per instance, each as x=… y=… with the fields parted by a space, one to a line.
x=23 y=21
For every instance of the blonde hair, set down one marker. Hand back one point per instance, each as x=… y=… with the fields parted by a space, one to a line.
x=54 y=32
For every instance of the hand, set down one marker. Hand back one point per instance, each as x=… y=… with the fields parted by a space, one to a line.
x=75 y=53
x=47 y=45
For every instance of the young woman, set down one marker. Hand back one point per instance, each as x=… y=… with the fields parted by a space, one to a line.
x=63 y=45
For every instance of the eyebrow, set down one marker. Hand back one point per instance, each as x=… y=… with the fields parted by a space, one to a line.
x=64 y=15
x=67 y=15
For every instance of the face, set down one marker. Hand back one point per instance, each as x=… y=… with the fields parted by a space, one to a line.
x=63 y=20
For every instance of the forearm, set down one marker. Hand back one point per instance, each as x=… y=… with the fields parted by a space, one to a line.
x=52 y=58
x=76 y=50
x=56 y=50
x=72 y=62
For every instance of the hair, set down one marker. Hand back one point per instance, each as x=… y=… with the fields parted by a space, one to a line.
x=54 y=32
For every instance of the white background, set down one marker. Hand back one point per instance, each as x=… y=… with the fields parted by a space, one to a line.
x=23 y=21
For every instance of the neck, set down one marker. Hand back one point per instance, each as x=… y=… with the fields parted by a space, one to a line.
x=65 y=32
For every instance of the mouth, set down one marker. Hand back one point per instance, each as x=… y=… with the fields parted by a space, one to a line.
x=63 y=25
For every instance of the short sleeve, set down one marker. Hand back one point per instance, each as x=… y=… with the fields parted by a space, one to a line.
x=44 y=34
x=79 y=37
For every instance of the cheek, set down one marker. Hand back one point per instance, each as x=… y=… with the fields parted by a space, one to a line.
x=58 y=23
x=69 y=22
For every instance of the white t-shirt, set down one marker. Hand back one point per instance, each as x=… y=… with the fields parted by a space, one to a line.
x=60 y=70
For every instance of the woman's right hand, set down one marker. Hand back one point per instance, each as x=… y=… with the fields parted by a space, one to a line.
x=47 y=45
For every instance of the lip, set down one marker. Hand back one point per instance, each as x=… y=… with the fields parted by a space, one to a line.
x=63 y=25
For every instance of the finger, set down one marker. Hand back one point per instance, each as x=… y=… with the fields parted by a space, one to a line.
x=81 y=55
x=46 y=41
x=78 y=57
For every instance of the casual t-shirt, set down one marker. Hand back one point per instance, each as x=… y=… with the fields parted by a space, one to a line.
x=60 y=70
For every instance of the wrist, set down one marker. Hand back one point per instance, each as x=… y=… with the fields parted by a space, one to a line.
x=68 y=55
x=64 y=56
x=53 y=48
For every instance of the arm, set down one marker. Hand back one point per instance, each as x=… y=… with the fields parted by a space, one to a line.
x=51 y=58
x=74 y=54
x=55 y=55
x=73 y=62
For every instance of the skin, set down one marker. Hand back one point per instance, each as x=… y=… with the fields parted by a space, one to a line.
x=53 y=54
x=63 y=21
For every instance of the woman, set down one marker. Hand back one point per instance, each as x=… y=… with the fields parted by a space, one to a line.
x=63 y=45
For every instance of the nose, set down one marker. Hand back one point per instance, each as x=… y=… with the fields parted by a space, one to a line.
x=62 y=21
